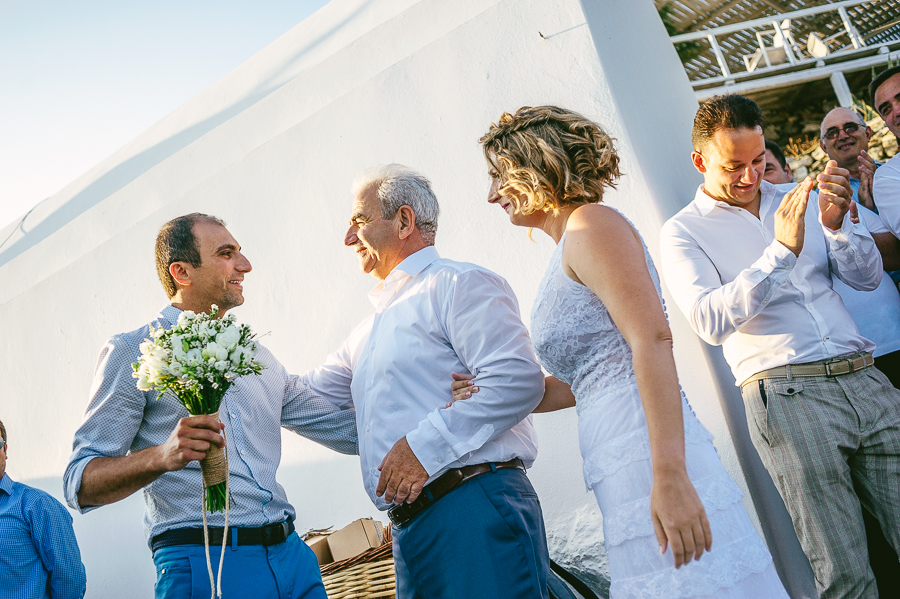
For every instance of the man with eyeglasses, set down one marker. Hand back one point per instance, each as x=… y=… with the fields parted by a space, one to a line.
x=39 y=557
x=845 y=138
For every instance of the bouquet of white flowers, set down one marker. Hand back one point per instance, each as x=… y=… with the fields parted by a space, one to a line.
x=197 y=360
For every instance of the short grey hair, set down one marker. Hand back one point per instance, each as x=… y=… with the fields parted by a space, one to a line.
x=397 y=186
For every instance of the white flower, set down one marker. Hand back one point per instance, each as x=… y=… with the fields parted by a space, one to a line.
x=175 y=368
x=145 y=347
x=193 y=357
x=222 y=365
x=229 y=337
x=210 y=350
x=221 y=354
x=153 y=364
x=237 y=356
x=143 y=384
x=185 y=317
x=178 y=348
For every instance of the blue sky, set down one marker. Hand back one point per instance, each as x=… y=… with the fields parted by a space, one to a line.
x=78 y=80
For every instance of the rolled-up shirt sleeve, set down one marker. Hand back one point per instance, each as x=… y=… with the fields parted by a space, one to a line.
x=715 y=310
x=112 y=419
x=853 y=256
x=482 y=323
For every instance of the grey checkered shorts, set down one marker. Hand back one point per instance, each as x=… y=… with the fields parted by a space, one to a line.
x=817 y=436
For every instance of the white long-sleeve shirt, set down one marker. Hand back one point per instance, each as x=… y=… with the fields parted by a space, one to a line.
x=742 y=289
x=886 y=191
x=433 y=317
x=876 y=313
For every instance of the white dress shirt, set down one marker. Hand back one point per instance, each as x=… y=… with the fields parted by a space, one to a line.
x=876 y=313
x=886 y=191
x=433 y=317
x=742 y=289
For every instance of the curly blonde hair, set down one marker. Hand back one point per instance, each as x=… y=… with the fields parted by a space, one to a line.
x=549 y=157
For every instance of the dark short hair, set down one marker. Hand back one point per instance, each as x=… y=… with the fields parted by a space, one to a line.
x=730 y=111
x=879 y=79
x=776 y=152
x=176 y=243
x=3 y=431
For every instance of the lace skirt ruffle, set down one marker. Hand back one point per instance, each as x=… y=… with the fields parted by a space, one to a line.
x=607 y=459
x=620 y=474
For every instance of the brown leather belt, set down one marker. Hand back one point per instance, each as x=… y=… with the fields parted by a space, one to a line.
x=402 y=514
x=834 y=367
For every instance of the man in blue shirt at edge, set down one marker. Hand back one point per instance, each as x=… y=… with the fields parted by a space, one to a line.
x=39 y=557
x=132 y=440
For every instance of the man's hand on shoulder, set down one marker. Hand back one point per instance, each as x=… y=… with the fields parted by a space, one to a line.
x=190 y=441
x=835 y=195
x=402 y=475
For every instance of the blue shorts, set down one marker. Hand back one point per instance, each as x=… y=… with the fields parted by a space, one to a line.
x=288 y=570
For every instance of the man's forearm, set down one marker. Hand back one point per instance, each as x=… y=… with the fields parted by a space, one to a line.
x=889 y=246
x=108 y=480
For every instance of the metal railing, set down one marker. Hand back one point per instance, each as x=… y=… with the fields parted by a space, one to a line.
x=840 y=40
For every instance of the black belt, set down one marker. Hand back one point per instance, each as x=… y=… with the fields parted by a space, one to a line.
x=265 y=535
x=402 y=514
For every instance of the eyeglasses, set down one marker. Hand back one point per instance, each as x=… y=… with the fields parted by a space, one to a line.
x=848 y=128
x=2 y=444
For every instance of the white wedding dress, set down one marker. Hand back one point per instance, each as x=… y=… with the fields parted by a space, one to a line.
x=577 y=342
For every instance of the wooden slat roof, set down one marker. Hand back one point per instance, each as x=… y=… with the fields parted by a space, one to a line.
x=877 y=21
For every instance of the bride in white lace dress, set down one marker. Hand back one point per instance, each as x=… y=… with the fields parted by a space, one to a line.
x=599 y=327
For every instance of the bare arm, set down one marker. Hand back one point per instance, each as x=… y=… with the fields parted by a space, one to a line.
x=604 y=253
x=107 y=480
x=889 y=246
x=557 y=394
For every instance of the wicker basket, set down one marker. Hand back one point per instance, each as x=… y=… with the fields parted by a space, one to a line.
x=369 y=574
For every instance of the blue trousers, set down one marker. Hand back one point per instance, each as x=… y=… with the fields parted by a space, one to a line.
x=288 y=570
x=485 y=539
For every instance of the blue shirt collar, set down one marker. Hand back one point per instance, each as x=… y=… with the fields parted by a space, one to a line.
x=6 y=484
x=170 y=314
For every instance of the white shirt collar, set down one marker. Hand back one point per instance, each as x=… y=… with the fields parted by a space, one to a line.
x=706 y=203
x=410 y=267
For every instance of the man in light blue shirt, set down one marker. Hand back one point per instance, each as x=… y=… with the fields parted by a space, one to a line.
x=39 y=557
x=467 y=520
x=132 y=440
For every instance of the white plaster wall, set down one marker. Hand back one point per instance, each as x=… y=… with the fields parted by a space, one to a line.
x=272 y=149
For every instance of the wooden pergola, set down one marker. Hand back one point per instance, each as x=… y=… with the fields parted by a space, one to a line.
x=753 y=45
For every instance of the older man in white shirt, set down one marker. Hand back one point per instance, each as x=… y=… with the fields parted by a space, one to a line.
x=751 y=266
x=467 y=520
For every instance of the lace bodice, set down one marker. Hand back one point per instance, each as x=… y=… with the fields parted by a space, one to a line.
x=574 y=336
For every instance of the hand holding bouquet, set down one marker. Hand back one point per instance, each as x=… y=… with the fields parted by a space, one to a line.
x=197 y=360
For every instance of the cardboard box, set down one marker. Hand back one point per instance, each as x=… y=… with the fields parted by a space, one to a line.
x=353 y=539
x=319 y=545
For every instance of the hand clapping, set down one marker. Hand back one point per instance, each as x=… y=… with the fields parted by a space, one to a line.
x=835 y=195
x=790 y=218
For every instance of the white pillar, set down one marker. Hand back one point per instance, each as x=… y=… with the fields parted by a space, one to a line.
x=841 y=89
